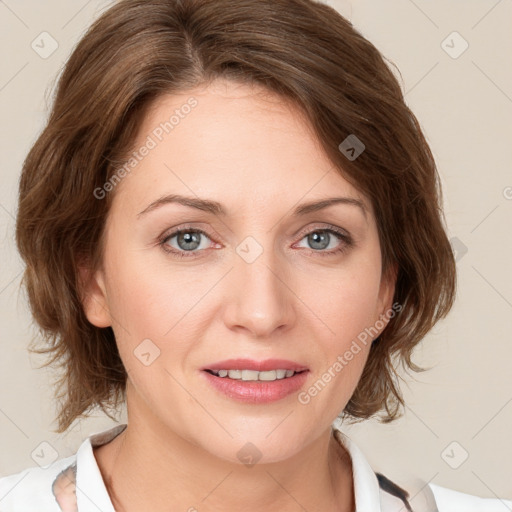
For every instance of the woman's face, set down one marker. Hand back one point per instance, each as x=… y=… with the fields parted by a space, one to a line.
x=261 y=280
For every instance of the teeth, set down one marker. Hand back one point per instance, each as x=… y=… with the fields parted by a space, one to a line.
x=253 y=375
x=248 y=375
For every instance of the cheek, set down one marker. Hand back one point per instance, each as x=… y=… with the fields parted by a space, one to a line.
x=155 y=302
x=346 y=300
x=346 y=307
x=139 y=299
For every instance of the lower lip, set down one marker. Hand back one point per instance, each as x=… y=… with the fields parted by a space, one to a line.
x=258 y=392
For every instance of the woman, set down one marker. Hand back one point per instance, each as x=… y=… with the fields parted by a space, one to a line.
x=232 y=222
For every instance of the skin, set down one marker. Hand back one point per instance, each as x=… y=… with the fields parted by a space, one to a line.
x=255 y=154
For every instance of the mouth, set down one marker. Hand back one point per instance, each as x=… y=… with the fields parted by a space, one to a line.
x=254 y=375
x=251 y=381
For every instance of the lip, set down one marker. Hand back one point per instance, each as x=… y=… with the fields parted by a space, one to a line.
x=256 y=392
x=260 y=366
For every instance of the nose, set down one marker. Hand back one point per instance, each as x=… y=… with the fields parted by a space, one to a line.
x=259 y=296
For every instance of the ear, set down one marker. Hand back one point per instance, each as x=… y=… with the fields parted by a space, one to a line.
x=94 y=296
x=386 y=294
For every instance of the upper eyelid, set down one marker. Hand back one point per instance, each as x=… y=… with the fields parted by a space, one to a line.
x=325 y=227
x=321 y=225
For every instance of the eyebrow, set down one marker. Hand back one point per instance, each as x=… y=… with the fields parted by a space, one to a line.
x=217 y=209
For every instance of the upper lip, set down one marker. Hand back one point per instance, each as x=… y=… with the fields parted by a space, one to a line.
x=260 y=366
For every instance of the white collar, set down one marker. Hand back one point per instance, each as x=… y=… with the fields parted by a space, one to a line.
x=91 y=492
x=366 y=486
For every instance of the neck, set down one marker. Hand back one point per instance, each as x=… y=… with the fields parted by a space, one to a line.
x=149 y=467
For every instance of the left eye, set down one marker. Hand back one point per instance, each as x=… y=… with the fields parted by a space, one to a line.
x=320 y=239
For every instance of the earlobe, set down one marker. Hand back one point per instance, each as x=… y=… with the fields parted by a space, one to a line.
x=94 y=296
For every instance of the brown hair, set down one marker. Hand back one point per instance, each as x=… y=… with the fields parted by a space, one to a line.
x=301 y=49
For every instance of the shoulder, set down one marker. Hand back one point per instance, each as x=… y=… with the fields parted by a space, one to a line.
x=34 y=487
x=450 y=500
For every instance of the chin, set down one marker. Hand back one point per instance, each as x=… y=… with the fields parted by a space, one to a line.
x=251 y=444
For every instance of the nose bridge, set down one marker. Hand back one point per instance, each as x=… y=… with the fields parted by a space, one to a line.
x=261 y=300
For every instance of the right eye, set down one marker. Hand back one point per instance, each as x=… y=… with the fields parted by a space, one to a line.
x=188 y=240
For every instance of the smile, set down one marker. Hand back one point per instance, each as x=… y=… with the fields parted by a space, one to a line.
x=253 y=375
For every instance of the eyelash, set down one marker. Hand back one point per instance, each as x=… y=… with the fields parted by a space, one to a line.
x=345 y=246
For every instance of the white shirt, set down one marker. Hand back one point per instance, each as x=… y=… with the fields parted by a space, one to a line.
x=75 y=483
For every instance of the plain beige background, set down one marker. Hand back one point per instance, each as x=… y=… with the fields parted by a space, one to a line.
x=463 y=99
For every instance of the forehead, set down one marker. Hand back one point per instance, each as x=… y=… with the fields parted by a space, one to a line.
x=237 y=144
